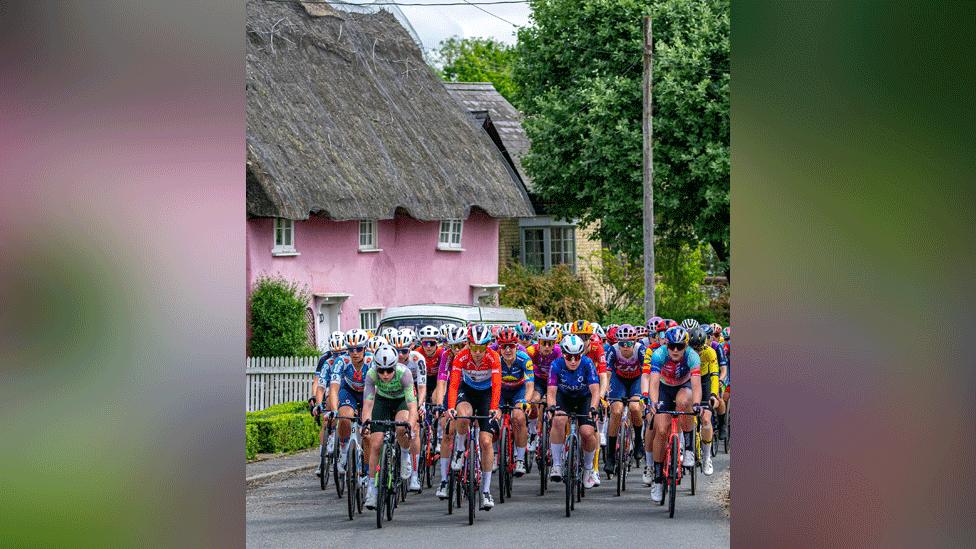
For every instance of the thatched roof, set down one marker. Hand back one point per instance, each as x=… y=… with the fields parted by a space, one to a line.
x=482 y=96
x=345 y=119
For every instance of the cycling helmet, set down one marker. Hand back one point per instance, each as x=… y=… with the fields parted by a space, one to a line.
x=429 y=332
x=696 y=338
x=652 y=323
x=581 y=327
x=458 y=335
x=612 y=335
x=548 y=333
x=375 y=343
x=706 y=329
x=356 y=338
x=525 y=329
x=479 y=334
x=506 y=335
x=689 y=324
x=599 y=331
x=670 y=323
x=337 y=341
x=402 y=339
x=727 y=332
x=411 y=334
x=388 y=333
x=385 y=358
x=626 y=332
x=446 y=330
x=572 y=345
x=676 y=334
x=640 y=330
x=659 y=325
x=716 y=328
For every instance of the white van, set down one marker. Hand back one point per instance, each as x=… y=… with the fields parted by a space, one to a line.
x=417 y=316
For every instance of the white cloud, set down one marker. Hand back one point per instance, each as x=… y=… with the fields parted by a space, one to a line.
x=436 y=24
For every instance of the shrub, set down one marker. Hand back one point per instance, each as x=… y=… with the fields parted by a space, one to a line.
x=285 y=427
x=558 y=294
x=250 y=440
x=277 y=318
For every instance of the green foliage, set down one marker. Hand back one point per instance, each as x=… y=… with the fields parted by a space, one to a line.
x=278 y=326
x=621 y=278
x=628 y=314
x=682 y=276
x=579 y=78
x=250 y=440
x=278 y=409
x=556 y=295
x=284 y=427
x=478 y=60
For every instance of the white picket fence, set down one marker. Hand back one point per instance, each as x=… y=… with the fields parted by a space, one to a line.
x=273 y=380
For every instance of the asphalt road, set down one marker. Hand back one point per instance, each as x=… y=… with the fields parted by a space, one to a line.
x=294 y=512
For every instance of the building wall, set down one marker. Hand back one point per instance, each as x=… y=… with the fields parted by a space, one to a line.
x=409 y=270
x=587 y=245
x=508 y=241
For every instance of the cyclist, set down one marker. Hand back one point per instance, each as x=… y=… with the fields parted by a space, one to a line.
x=337 y=349
x=457 y=340
x=526 y=332
x=594 y=350
x=517 y=386
x=726 y=383
x=671 y=381
x=475 y=389
x=375 y=343
x=625 y=364
x=710 y=394
x=432 y=352
x=388 y=394
x=388 y=333
x=346 y=392
x=575 y=388
x=415 y=362
x=543 y=354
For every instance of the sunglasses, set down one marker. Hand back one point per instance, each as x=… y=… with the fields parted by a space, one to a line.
x=457 y=347
x=508 y=346
x=574 y=358
x=384 y=370
x=356 y=349
x=403 y=351
x=626 y=343
x=477 y=348
x=428 y=343
x=676 y=346
x=546 y=343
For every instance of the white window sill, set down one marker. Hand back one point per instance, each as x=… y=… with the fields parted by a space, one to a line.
x=445 y=249
x=370 y=250
x=285 y=253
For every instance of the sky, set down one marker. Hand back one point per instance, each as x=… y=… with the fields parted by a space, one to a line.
x=434 y=24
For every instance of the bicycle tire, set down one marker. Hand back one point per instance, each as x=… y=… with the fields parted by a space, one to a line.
x=473 y=494
x=393 y=478
x=544 y=457
x=381 y=486
x=451 y=480
x=351 y=480
x=579 y=489
x=323 y=468
x=570 y=469
x=502 y=461
x=694 y=475
x=673 y=479
x=339 y=484
x=423 y=466
x=728 y=430
x=362 y=470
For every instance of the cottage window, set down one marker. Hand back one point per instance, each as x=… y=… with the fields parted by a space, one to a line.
x=546 y=246
x=369 y=319
x=284 y=237
x=450 y=235
x=368 y=240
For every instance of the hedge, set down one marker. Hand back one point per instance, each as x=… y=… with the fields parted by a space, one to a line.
x=286 y=427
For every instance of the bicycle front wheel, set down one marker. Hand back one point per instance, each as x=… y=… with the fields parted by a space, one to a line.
x=472 y=465
x=502 y=462
x=675 y=471
x=323 y=468
x=352 y=479
x=381 y=482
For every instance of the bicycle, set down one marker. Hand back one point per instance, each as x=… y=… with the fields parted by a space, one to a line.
x=427 y=458
x=326 y=459
x=543 y=458
x=672 y=471
x=506 y=454
x=625 y=438
x=573 y=461
x=355 y=470
x=699 y=462
x=467 y=481
x=389 y=484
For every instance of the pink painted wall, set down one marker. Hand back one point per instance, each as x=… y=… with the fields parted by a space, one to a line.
x=409 y=270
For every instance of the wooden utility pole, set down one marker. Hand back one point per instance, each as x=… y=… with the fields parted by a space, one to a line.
x=649 y=305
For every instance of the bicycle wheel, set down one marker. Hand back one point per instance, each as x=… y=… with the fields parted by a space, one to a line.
x=568 y=473
x=363 y=469
x=392 y=480
x=728 y=430
x=381 y=485
x=620 y=453
x=694 y=474
x=339 y=482
x=673 y=478
x=452 y=480
x=544 y=457
x=473 y=494
x=422 y=464
x=352 y=478
x=579 y=489
x=502 y=462
x=323 y=468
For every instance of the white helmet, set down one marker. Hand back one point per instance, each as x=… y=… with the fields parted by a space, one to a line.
x=548 y=333
x=410 y=333
x=337 y=341
x=447 y=329
x=402 y=339
x=385 y=357
x=572 y=344
x=458 y=335
x=388 y=332
x=356 y=338
x=375 y=343
x=689 y=324
x=567 y=327
x=429 y=332
x=599 y=331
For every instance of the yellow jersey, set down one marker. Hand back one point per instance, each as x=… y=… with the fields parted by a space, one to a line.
x=709 y=366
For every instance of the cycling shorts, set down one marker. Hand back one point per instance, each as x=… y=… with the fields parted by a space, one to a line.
x=512 y=397
x=572 y=404
x=668 y=393
x=348 y=397
x=480 y=402
x=385 y=409
x=624 y=388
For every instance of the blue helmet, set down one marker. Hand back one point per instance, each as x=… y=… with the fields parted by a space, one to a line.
x=676 y=334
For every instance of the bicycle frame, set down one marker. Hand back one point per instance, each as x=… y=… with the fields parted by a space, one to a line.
x=389 y=481
x=573 y=462
x=470 y=473
x=673 y=477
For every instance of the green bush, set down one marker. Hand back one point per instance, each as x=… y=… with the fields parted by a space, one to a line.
x=277 y=318
x=556 y=295
x=285 y=427
x=283 y=408
x=250 y=440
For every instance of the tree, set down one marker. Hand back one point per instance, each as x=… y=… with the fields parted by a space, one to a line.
x=277 y=318
x=477 y=60
x=578 y=74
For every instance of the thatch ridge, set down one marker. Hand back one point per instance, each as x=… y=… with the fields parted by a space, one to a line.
x=344 y=118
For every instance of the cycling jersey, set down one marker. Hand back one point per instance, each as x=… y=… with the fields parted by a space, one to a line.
x=444 y=369
x=596 y=354
x=480 y=377
x=417 y=366
x=709 y=371
x=327 y=357
x=672 y=373
x=573 y=382
x=399 y=386
x=517 y=373
x=541 y=364
x=344 y=372
x=433 y=361
x=627 y=368
x=720 y=353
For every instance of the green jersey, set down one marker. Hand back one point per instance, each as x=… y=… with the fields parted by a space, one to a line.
x=399 y=386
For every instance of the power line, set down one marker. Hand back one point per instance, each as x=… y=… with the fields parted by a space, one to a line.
x=493 y=15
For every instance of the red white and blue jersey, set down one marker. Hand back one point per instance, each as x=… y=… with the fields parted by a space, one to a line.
x=344 y=372
x=626 y=368
x=673 y=373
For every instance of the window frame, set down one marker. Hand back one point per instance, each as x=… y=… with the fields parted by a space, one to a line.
x=283 y=247
x=373 y=231
x=376 y=311
x=454 y=235
x=548 y=226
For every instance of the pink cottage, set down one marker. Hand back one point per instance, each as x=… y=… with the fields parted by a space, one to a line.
x=366 y=180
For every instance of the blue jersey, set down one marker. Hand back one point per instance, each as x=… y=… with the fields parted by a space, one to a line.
x=518 y=373
x=627 y=368
x=673 y=373
x=325 y=359
x=344 y=373
x=573 y=382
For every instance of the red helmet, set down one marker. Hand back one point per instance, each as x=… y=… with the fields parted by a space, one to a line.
x=612 y=335
x=671 y=323
x=660 y=325
x=506 y=335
